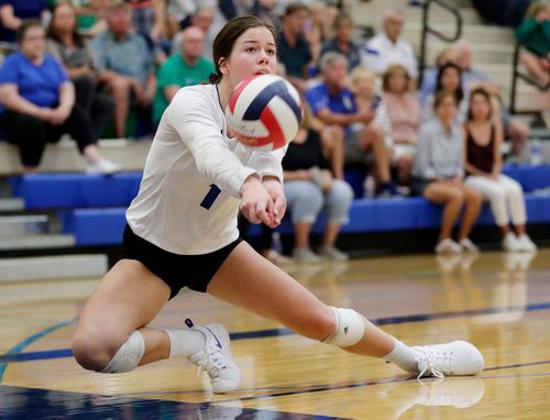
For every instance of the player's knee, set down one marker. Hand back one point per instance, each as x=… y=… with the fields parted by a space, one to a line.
x=349 y=328
x=91 y=352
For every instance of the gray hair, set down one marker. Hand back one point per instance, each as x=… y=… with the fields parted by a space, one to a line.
x=331 y=57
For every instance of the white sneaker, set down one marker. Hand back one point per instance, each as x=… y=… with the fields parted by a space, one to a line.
x=450 y=359
x=104 y=166
x=448 y=246
x=526 y=244
x=467 y=245
x=305 y=255
x=511 y=243
x=332 y=253
x=216 y=359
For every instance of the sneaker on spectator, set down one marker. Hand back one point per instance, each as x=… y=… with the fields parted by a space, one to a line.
x=526 y=244
x=448 y=246
x=467 y=245
x=511 y=243
x=277 y=258
x=332 y=253
x=305 y=255
x=104 y=166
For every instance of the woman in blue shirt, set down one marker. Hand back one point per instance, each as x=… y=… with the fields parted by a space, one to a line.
x=37 y=103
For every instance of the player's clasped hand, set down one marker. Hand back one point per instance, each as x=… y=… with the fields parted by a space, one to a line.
x=257 y=204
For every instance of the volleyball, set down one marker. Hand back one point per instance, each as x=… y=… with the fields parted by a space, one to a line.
x=265 y=107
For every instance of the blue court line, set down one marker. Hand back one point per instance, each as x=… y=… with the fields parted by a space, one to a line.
x=16 y=350
x=15 y=355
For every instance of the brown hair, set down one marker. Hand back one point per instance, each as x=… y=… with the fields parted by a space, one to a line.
x=52 y=32
x=117 y=5
x=225 y=40
x=25 y=26
x=342 y=19
x=441 y=95
x=391 y=70
x=479 y=92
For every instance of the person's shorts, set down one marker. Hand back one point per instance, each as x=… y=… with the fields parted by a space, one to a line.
x=419 y=185
x=400 y=150
x=353 y=152
x=177 y=271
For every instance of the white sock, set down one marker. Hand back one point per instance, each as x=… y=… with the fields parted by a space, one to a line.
x=403 y=356
x=185 y=343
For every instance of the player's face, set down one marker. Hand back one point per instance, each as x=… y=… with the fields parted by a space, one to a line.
x=254 y=52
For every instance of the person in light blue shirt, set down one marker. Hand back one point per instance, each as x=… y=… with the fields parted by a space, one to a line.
x=124 y=63
x=438 y=174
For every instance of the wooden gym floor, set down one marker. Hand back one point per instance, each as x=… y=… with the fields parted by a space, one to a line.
x=499 y=301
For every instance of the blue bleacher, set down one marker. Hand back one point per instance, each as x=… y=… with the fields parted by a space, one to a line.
x=95 y=205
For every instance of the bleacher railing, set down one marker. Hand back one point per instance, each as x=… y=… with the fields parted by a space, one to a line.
x=517 y=74
x=426 y=29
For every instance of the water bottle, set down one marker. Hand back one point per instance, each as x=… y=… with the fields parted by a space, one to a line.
x=535 y=156
x=369 y=186
x=276 y=243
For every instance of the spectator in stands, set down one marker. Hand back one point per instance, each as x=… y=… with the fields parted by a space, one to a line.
x=388 y=48
x=342 y=42
x=449 y=79
x=187 y=68
x=450 y=54
x=534 y=34
x=68 y=46
x=405 y=115
x=38 y=103
x=91 y=16
x=124 y=63
x=266 y=9
x=148 y=18
x=334 y=104
x=506 y=13
x=514 y=129
x=320 y=27
x=14 y=12
x=438 y=171
x=294 y=50
x=309 y=188
x=483 y=164
x=203 y=17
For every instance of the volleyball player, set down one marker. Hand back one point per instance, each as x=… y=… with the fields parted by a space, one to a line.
x=182 y=232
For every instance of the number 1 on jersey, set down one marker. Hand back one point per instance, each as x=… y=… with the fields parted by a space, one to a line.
x=210 y=197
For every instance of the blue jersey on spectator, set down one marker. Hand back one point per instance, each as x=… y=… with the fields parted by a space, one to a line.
x=319 y=98
x=294 y=58
x=38 y=84
x=23 y=9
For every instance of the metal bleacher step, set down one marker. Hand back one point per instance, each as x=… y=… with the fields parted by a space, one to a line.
x=11 y=204
x=64 y=156
x=52 y=267
x=44 y=241
x=22 y=225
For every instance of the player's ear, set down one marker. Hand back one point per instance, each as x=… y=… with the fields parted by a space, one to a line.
x=222 y=64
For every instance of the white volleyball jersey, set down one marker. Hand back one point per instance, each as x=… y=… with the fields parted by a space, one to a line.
x=189 y=198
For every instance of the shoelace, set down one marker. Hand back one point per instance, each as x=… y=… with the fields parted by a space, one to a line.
x=436 y=358
x=212 y=363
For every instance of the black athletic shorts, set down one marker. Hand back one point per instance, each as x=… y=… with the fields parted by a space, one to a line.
x=177 y=271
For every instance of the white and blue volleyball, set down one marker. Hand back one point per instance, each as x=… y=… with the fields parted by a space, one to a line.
x=266 y=107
